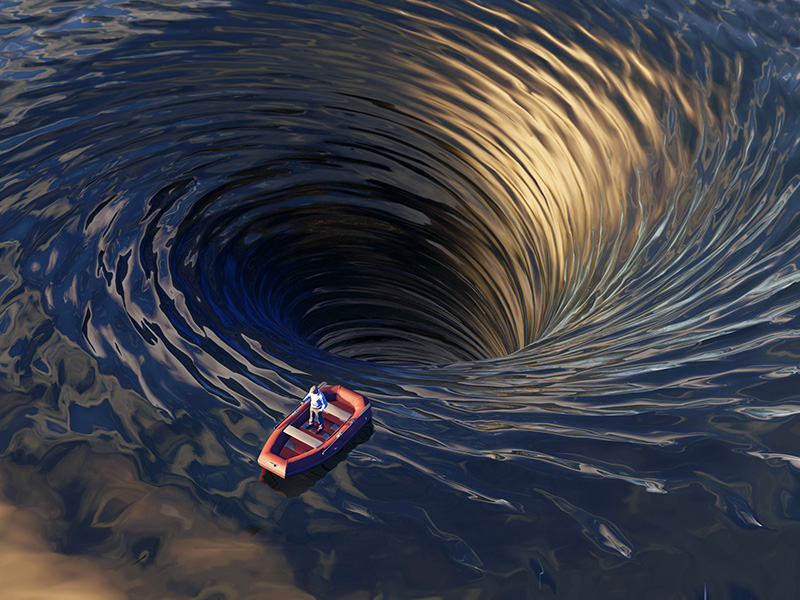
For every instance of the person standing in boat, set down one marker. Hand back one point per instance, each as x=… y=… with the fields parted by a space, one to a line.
x=318 y=404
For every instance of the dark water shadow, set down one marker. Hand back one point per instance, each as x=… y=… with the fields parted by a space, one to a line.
x=297 y=484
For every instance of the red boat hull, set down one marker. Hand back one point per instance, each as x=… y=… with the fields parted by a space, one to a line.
x=291 y=450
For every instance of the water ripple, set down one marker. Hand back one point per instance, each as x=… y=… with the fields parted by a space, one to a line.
x=555 y=246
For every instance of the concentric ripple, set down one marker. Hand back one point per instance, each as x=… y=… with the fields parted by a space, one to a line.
x=547 y=238
x=492 y=196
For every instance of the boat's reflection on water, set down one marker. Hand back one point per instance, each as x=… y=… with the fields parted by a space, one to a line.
x=297 y=484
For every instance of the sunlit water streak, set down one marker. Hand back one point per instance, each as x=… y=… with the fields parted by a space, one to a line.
x=555 y=246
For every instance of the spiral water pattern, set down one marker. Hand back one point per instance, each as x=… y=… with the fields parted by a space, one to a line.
x=552 y=244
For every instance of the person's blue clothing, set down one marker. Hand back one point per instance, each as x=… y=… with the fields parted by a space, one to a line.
x=318 y=400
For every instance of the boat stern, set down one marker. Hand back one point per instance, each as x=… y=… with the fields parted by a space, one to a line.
x=272 y=462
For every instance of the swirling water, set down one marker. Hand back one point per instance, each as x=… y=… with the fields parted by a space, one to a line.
x=555 y=244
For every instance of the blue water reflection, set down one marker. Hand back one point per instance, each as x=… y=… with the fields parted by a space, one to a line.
x=555 y=244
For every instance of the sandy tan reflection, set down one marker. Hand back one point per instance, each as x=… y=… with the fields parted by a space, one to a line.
x=30 y=569
x=198 y=551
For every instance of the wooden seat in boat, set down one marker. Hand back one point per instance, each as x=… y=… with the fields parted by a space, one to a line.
x=305 y=437
x=337 y=412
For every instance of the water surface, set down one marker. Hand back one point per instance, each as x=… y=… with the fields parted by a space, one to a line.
x=555 y=244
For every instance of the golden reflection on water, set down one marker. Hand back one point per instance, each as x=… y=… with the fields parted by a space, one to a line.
x=29 y=568
x=197 y=550
x=562 y=139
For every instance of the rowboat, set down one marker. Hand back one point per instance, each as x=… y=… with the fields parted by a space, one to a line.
x=296 y=485
x=291 y=449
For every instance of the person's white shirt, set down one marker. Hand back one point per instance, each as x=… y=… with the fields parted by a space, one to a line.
x=318 y=400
